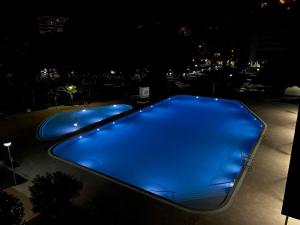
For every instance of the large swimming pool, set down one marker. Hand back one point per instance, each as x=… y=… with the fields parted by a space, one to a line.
x=67 y=122
x=185 y=150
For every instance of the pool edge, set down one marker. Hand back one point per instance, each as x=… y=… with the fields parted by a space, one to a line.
x=230 y=197
x=74 y=133
x=223 y=206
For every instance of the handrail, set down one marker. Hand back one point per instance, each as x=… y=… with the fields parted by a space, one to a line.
x=161 y=191
x=182 y=197
x=164 y=191
x=194 y=195
x=227 y=182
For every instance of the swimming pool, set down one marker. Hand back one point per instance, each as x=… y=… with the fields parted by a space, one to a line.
x=67 y=122
x=185 y=150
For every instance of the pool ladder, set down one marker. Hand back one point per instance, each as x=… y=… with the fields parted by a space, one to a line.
x=164 y=191
x=216 y=187
x=205 y=192
x=247 y=160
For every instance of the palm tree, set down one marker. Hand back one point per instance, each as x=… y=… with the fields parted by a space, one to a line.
x=71 y=90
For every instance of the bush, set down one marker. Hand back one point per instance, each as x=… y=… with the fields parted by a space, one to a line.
x=52 y=195
x=11 y=209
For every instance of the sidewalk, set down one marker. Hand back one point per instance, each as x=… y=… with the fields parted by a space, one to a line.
x=25 y=201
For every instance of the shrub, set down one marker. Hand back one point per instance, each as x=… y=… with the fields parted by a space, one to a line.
x=11 y=209
x=52 y=195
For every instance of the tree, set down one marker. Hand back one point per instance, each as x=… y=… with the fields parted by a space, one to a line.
x=11 y=209
x=53 y=94
x=71 y=90
x=52 y=195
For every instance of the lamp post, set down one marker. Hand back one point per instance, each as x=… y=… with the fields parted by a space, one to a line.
x=8 y=144
x=286 y=220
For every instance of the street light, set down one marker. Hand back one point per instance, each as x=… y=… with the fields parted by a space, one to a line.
x=8 y=144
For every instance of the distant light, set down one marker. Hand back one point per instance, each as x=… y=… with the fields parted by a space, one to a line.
x=80 y=137
x=282 y=2
x=115 y=105
x=83 y=110
x=75 y=124
x=254 y=119
x=216 y=99
x=263 y=4
x=98 y=129
x=113 y=72
x=7 y=144
x=242 y=106
x=261 y=125
x=151 y=106
x=230 y=75
x=114 y=123
x=70 y=87
x=169 y=98
x=141 y=111
x=258 y=69
x=197 y=97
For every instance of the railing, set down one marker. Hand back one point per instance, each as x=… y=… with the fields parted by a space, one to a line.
x=205 y=192
x=246 y=160
x=224 y=183
x=189 y=196
x=165 y=191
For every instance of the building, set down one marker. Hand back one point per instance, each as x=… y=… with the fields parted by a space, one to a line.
x=51 y=24
x=274 y=26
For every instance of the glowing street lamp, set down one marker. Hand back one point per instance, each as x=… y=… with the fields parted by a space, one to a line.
x=7 y=145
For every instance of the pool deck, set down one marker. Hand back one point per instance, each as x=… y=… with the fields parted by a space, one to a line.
x=258 y=201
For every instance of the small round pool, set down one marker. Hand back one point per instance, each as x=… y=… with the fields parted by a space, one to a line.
x=64 y=123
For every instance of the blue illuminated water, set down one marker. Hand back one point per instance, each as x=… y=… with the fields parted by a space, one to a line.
x=183 y=149
x=67 y=122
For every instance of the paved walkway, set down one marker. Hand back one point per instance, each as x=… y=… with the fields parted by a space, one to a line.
x=20 y=129
x=28 y=214
x=258 y=202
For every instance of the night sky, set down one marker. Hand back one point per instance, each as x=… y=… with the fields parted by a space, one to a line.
x=126 y=36
x=121 y=33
